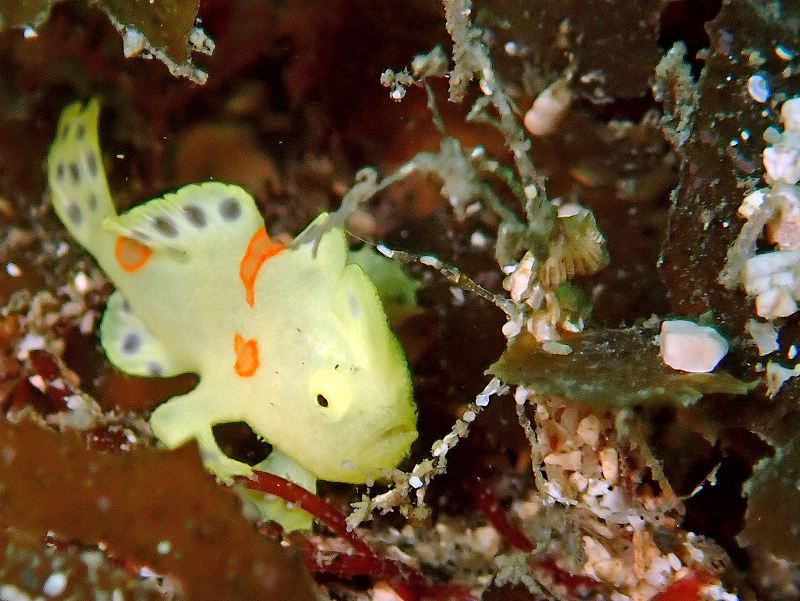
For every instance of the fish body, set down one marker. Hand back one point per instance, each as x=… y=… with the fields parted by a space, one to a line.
x=291 y=340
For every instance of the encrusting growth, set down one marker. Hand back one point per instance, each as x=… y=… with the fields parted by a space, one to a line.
x=772 y=277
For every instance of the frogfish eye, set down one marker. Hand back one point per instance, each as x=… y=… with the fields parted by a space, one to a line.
x=322 y=401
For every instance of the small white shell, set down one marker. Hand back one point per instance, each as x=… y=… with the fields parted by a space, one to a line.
x=689 y=347
x=758 y=88
x=549 y=109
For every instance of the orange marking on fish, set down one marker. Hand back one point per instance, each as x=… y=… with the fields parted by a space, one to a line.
x=246 y=356
x=131 y=255
x=260 y=249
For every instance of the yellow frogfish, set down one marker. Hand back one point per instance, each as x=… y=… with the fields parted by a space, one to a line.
x=293 y=341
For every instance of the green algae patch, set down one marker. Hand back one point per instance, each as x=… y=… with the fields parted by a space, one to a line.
x=164 y=30
x=24 y=13
x=773 y=498
x=166 y=25
x=611 y=44
x=608 y=368
x=159 y=29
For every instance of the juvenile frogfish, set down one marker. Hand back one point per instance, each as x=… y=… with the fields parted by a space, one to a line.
x=293 y=341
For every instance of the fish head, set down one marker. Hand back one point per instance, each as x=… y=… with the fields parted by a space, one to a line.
x=345 y=397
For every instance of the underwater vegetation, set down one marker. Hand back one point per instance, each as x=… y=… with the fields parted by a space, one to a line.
x=576 y=220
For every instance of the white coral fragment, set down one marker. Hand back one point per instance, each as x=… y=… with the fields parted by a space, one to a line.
x=782 y=159
x=556 y=348
x=790 y=114
x=784 y=230
x=782 y=163
x=588 y=431
x=690 y=347
x=133 y=42
x=773 y=279
x=569 y=461
x=777 y=376
x=609 y=464
x=764 y=335
x=751 y=203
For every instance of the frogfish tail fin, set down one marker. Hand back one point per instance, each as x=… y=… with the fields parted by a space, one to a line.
x=77 y=179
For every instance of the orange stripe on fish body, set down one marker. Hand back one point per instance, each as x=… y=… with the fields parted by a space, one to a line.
x=131 y=255
x=260 y=249
x=246 y=356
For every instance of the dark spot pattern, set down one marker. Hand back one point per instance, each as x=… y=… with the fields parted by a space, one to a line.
x=230 y=209
x=60 y=171
x=165 y=226
x=75 y=173
x=74 y=214
x=80 y=132
x=154 y=369
x=92 y=202
x=131 y=342
x=91 y=164
x=322 y=401
x=65 y=132
x=355 y=308
x=195 y=215
x=126 y=306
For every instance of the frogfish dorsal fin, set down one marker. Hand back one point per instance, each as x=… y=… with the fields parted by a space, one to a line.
x=199 y=217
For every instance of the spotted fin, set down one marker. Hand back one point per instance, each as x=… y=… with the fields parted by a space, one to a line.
x=198 y=216
x=131 y=347
x=77 y=179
